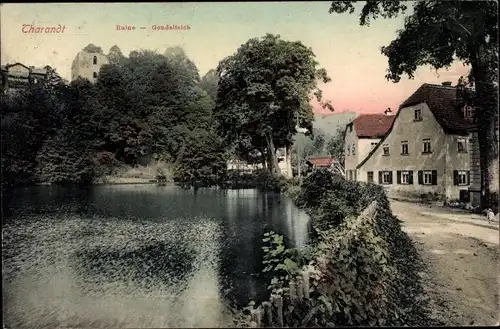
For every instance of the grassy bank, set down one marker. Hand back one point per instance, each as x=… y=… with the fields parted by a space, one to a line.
x=363 y=268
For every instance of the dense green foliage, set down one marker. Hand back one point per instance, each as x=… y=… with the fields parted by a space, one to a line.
x=363 y=269
x=155 y=107
x=264 y=91
x=145 y=107
x=437 y=33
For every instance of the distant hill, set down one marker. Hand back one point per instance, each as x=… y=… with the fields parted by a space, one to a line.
x=329 y=123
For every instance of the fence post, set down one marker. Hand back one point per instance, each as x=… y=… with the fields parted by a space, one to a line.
x=293 y=291
x=268 y=313
x=257 y=316
x=300 y=289
x=305 y=280
x=278 y=302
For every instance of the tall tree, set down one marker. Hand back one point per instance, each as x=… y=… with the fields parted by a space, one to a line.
x=264 y=91
x=209 y=83
x=115 y=56
x=335 y=145
x=91 y=48
x=437 y=33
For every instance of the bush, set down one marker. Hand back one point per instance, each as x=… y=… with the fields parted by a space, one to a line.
x=315 y=187
x=366 y=266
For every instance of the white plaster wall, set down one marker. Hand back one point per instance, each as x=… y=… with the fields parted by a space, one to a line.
x=351 y=161
x=444 y=157
x=456 y=161
x=365 y=147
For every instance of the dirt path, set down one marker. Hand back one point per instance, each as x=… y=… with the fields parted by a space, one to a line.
x=461 y=252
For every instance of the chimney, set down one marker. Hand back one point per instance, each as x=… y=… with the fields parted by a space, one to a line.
x=388 y=111
x=446 y=83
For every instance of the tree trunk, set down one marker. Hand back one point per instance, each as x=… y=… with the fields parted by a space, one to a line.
x=288 y=159
x=271 y=154
x=263 y=158
x=487 y=119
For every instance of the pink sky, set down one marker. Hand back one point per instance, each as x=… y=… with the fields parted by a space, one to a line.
x=350 y=53
x=385 y=94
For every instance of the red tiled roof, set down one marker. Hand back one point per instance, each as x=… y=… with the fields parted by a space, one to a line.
x=372 y=125
x=321 y=161
x=442 y=102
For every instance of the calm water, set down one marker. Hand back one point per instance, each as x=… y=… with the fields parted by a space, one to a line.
x=137 y=255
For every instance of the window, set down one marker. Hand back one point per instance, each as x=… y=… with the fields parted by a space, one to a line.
x=374 y=145
x=370 y=177
x=350 y=128
x=462 y=145
x=353 y=149
x=404 y=148
x=95 y=75
x=385 y=148
x=427 y=177
x=418 y=115
x=405 y=177
x=348 y=150
x=468 y=111
x=427 y=146
x=461 y=177
x=385 y=177
x=95 y=60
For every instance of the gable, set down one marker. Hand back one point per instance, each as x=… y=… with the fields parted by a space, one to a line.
x=442 y=101
x=18 y=70
x=412 y=130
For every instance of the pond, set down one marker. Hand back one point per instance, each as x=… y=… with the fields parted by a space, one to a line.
x=137 y=255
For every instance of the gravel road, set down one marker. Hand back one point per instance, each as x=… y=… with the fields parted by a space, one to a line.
x=461 y=252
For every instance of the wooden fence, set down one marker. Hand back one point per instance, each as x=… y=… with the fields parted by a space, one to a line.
x=271 y=313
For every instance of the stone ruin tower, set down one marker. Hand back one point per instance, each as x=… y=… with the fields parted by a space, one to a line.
x=88 y=62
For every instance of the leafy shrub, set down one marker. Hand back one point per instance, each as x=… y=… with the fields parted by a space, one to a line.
x=364 y=268
x=105 y=163
x=267 y=181
x=314 y=188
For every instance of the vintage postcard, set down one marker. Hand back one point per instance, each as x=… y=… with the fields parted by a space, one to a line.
x=249 y=164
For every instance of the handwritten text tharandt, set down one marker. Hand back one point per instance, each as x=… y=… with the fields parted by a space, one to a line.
x=31 y=28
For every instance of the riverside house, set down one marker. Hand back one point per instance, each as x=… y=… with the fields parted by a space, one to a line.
x=320 y=162
x=426 y=149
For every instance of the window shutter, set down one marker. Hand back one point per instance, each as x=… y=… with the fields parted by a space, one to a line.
x=410 y=178
x=390 y=177
x=380 y=177
x=420 y=177
x=398 y=177
x=455 y=177
x=468 y=177
x=434 y=177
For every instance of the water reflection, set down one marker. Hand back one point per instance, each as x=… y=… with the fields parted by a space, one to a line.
x=138 y=255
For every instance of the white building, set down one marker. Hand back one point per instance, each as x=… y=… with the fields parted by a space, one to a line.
x=284 y=164
x=425 y=149
x=361 y=137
